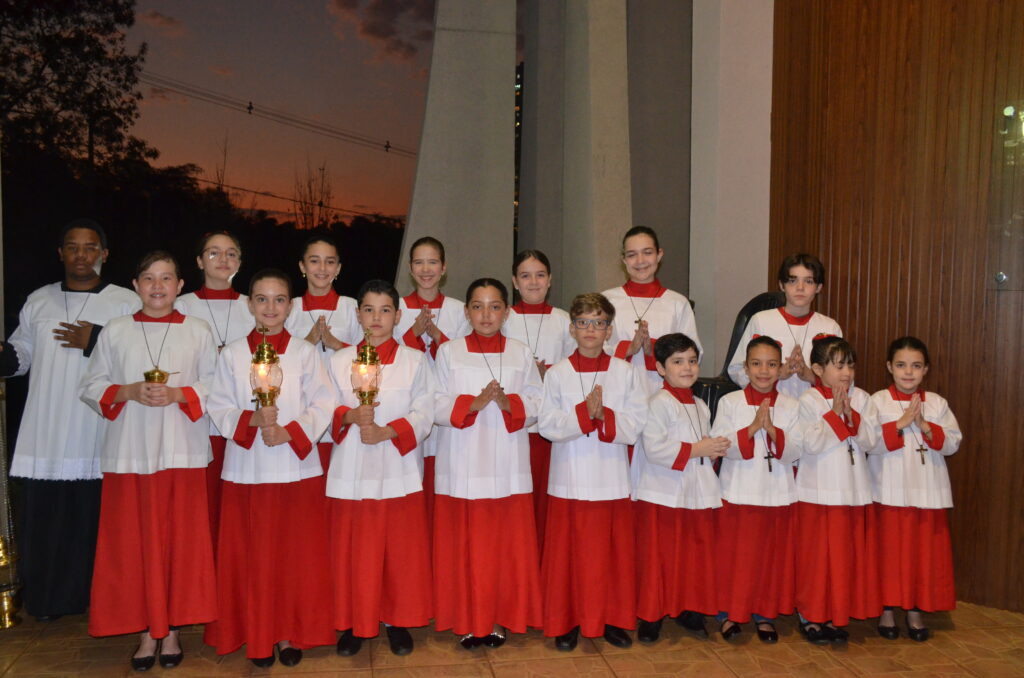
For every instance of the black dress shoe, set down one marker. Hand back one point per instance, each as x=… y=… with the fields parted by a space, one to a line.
x=263 y=662
x=170 y=661
x=617 y=637
x=400 y=640
x=494 y=640
x=567 y=641
x=647 y=632
x=918 y=635
x=818 y=636
x=836 y=634
x=769 y=636
x=889 y=632
x=47 y=618
x=693 y=622
x=144 y=663
x=290 y=656
x=470 y=642
x=733 y=630
x=349 y=644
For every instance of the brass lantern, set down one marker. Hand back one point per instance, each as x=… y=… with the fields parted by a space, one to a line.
x=265 y=375
x=366 y=369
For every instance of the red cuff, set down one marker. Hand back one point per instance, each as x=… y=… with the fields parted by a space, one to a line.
x=516 y=417
x=606 y=428
x=780 y=442
x=856 y=422
x=405 y=441
x=437 y=344
x=109 y=408
x=245 y=432
x=621 y=349
x=649 y=360
x=838 y=425
x=339 y=429
x=684 y=456
x=938 y=437
x=461 y=416
x=891 y=436
x=583 y=417
x=299 y=442
x=745 y=443
x=412 y=341
x=192 y=408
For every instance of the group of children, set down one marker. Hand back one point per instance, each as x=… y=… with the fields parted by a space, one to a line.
x=522 y=466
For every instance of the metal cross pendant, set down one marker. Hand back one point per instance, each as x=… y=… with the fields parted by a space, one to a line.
x=849 y=448
x=921 y=449
x=768 y=456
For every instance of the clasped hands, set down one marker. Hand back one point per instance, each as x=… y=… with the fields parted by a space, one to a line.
x=321 y=332
x=425 y=323
x=641 y=341
x=491 y=393
x=915 y=414
x=795 y=364
x=369 y=432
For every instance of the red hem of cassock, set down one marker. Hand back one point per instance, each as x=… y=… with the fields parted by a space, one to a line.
x=916 y=556
x=756 y=548
x=154 y=558
x=273 y=579
x=675 y=551
x=837 y=563
x=486 y=568
x=380 y=563
x=218 y=445
x=540 y=467
x=589 y=567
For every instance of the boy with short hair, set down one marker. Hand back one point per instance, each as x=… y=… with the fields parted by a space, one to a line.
x=794 y=326
x=594 y=408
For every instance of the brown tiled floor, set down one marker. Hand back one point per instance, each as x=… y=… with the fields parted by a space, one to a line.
x=972 y=641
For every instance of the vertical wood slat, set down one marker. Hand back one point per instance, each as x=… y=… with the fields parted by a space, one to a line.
x=886 y=162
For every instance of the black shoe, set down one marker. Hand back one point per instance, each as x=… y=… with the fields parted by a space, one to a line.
x=889 y=632
x=400 y=640
x=263 y=662
x=617 y=637
x=567 y=642
x=494 y=640
x=647 y=632
x=141 y=664
x=170 y=661
x=693 y=622
x=818 y=636
x=918 y=635
x=733 y=630
x=836 y=634
x=470 y=642
x=290 y=656
x=47 y=618
x=349 y=644
x=770 y=636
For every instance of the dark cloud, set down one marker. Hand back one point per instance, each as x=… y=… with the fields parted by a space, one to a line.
x=397 y=28
x=163 y=95
x=168 y=25
x=223 y=71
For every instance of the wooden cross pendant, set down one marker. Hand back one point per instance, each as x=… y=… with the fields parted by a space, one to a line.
x=921 y=449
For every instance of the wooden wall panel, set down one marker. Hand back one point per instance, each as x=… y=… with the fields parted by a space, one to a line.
x=887 y=162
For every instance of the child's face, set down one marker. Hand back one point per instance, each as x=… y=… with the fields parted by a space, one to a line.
x=762 y=367
x=681 y=369
x=378 y=315
x=220 y=259
x=908 y=369
x=835 y=375
x=270 y=304
x=589 y=337
x=426 y=267
x=533 y=280
x=486 y=311
x=641 y=258
x=82 y=253
x=321 y=265
x=158 y=286
x=800 y=287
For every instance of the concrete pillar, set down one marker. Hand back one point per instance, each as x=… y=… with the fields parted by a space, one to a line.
x=464 y=183
x=730 y=164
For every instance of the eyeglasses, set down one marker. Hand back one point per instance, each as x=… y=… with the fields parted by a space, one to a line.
x=214 y=253
x=597 y=324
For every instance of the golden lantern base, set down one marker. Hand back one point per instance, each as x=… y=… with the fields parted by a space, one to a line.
x=9 y=608
x=366 y=397
x=156 y=376
x=267 y=398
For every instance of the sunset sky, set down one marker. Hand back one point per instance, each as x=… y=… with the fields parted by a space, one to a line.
x=354 y=65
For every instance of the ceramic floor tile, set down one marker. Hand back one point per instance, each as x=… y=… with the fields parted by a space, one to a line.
x=472 y=670
x=570 y=667
x=668 y=663
x=431 y=649
x=782 y=659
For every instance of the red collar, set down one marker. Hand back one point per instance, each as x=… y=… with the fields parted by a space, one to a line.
x=524 y=308
x=327 y=302
x=755 y=397
x=173 y=317
x=582 y=363
x=386 y=351
x=205 y=292
x=279 y=341
x=647 y=290
x=476 y=343
x=683 y=395
x=900 y=395
x=414 y=300
x=793 y=320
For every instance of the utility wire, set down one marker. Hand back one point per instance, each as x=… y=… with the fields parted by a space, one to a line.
x=274 y=115
x=268 y=194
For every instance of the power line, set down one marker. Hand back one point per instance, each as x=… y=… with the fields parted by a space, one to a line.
x=274 y=115
x=268 y=194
